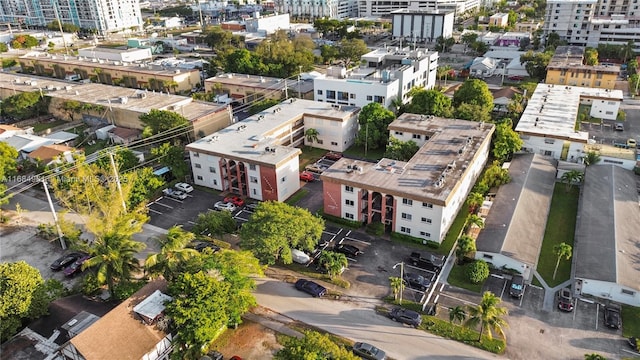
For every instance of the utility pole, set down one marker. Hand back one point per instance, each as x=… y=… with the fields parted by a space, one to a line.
x=115 y=174
x=299 y=79
x=64 y=42
x=55 y=216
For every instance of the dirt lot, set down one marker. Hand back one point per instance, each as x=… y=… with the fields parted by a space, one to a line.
x=249 y=341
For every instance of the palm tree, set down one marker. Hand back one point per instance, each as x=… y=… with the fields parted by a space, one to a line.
x=466 y=245
x=457 y=314
x=571 y=177
x=594 y=357
x=474 y=201
x=476 y=220
x=311 y=135
x=562 y=251
x=398 y=105
x=172 y=252
x=591 y=158
x=397 y=286
x=487 y=314
x=333 y=262
x=443 y=72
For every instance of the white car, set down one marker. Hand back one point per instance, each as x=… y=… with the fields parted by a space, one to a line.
x=184 y=187
x=173 y=193
x=225 y=206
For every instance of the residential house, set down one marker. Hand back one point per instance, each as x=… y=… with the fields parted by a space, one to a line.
x=499 y=20
x=7 y=131
x=483 y=67
x=120 y=135
x=566 y=68
x=502 y=97
x=49 y=154
x=245 y=88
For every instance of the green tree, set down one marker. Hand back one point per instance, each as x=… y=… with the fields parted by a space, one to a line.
x=352 y=49
x=457 y=314
x=515 y=107
x=590 y=56
x=173 y=251
x=24 y=42
x=8 y=165
x=488 y=315
x=513 y=18
x=495 y=175
x=467 y=39
x=536 y=63
x=474 y=92
x=374 y=120
x=214 y=223
x=23 y=106
x=478 y=271
x=465 y=247
x=397 y=286
x=480 y=47
x=444 y=44
x=473 y=219
x=475 y=200
x=72 y=107
x=160 y=121
x=334 y=263
x=505 y=141
x=401 y=150
x=429 y=102
x=3 y=47
x=553 y=41
x=472 y=112
x=444 y=72
x=632 y=66
x=124 y=159
x=329 y=53
x=275 y=228
x=173 y=158
x=591 y=158
x=311 y=135
x=563 y=251
x=571 y=177
x=18 y=284
x=313 y=345
x=144 y=183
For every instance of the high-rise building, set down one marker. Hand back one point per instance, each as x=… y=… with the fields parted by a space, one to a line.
x=382 y=8
x=590 y=22
x=102 y=15
x=332 y=9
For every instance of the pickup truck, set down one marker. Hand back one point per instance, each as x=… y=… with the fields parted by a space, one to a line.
x=427 y=261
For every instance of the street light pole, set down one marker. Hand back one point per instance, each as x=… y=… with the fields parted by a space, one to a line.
x=299 y=79
x=401 y=278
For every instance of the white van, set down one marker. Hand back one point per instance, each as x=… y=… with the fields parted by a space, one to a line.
x=300 y=257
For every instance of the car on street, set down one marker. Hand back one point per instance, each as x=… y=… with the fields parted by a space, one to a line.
x=307 y=176
x=184 y=187
x=76 y=267
x=66 y=260
x=316 y=168
x=427 y=261
x=368 y=351
x=565 y=300
x=349 y=250
x=312 y=288
x=416 y=281
x=225 y=206
x=335 y=156
x=202 y=245
x=235 y=200
x=612 y=317
x=517 y=286
x=406 y=316
x=175 y=194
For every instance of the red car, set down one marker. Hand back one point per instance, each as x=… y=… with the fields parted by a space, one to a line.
x=333 y=156
x=516 y=77
x=307 y=176
x=235 y=200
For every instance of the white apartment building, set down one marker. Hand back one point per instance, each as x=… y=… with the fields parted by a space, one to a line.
x=590 y=22
x=375 y=8
x=384 y=75
x=102 y=15
x=549 y=120
x=332 y=9
x=421 y=26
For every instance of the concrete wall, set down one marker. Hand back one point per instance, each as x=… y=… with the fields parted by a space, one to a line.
x=209 y=173
x=500 y=260
x=333 y=135
x=363 y=91
x=288 y=178
x=609 y=290
x=421 y=26
x=542 y=145
x=332 y=198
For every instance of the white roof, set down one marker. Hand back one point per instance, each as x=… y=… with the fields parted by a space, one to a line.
x=153 y=305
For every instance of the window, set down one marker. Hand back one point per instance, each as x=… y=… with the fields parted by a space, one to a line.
x=406 y=216
x=399 y=133
x=628 y=292
x=407 y=201
x=343 y=95
x=490 y=257
x=253 y=179
x=319 y=92
x=348 y=188
x=405 y=230
x=349 y=202
x=331 y=94
x=255 y=192
x=215 y=182
x=320 y=142
x=417 y=136
x=611 y=102
x=427 y=205
x=252 y=166
x=284 y=179
x=348 y=216
x=352 y=96
x=199 y=177
x=334 y=143
x=198 y=166
x=378 y=99
x=549 y=141
x=369 y=98
x=609 y=112
x=425 y=220
x=425 y=234
x=212 y=169
x=195 y=154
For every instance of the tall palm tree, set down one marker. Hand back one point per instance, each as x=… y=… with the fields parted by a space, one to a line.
x=571 y=177
x=311 y=135
x=397 y=285
x=488 y=315
x=562 y=251
x=172 y=252
x=457 y=314
x=474 y=200
x=398 y=105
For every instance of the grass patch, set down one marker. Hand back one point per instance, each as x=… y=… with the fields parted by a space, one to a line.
x=462 y=334
x=340 y=221
x=408 y=239
x=630 y=321
x=48 y=125
x=297 y=197
x=561 y=226
x=307 y=272
x=310 y=155
x=358 y=152
x=458 y=278
x=98 y=145
x=454 y=230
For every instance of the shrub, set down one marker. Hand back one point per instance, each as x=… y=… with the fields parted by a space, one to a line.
x=375 y=228
x=90 y=285
x=125 y=289
x=478 y=271
x=414 y=240
x=340 y=221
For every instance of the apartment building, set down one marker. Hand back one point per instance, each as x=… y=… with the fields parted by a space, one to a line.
x=548 y=123
x=590 y=22
x=419 y=197
x=102 y=15
x=566 y=68
x=421 y=25
x=258 y=157
x=333 y=9
x=375 y=8
x=385 y=74
x=245 y=88
x=110 y=72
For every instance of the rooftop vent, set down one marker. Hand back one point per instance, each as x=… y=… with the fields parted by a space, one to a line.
x=241 y=127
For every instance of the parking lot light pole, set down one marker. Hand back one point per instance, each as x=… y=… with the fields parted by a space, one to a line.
x=401 y=278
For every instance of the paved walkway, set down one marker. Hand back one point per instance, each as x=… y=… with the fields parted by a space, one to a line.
x=550 y=292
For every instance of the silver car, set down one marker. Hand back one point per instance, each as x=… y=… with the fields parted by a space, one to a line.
x=225 y=206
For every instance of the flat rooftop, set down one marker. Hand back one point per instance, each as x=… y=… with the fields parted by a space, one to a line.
x=432 y=173
x=611 y=151
x=247 y=140
x=261 y=82
x=421 y=12
x=552 y=111
x=137 y=100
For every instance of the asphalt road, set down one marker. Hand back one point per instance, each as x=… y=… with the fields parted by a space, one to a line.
x=359 y=322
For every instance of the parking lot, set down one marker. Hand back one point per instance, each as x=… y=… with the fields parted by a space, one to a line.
x=605 y=134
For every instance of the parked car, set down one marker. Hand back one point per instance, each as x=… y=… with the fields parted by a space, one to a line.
x=618 y=126
x=516 y=77
x=416 y=281
x=349 y=250
x=235 y=200
x=517 y=286
x=173 y=193
x=225 y=206
x=66 y=260
x=300 y=257
x=307 y=176
x=335 y=156
x=565 y=300
x=252 y=206
x=632 y=143
x=316 y=168
x=368 y=351
x=634 y=343
x=406 y=316
x=76 y=267
x=427 y=261
x=612 y=317
x=312 y=288
x=202 y=245
x=184 y=187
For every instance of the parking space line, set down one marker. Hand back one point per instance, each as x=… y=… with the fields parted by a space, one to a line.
x=442 y=287
x=161 y=204
x=504 y=286
x=176 y=200
x=597 y=314
x=347 y=234
x=357 y=240
x=461 y=300
x=153 y=211
x=524 y=290
x=191 y=222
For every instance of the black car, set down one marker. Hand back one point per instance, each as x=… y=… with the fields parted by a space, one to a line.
x=427 y=261
x=368 y=351
x=517 y=286
x=312 y=288
x=612 y=317
x=416 y=281
x=66 y=260
x=201 y=246
x=349 y=250
x=406 y=316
